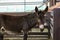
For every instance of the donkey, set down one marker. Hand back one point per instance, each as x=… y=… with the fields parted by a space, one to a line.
x=25 y=23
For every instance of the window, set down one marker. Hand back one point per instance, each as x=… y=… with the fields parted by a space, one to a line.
x=19 y=5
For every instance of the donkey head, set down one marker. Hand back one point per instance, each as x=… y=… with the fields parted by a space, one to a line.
x=41 y=16
x=41 y=13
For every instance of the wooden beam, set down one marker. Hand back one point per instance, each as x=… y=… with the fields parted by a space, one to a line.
x=51 y=2
x=54 y=2
x=55 y=6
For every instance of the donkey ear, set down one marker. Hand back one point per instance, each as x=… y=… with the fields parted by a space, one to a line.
x=46 y=9
x=36 y=9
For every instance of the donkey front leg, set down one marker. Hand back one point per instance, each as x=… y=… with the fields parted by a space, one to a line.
x=1 y=36
x=25 y=36
x=25 y=30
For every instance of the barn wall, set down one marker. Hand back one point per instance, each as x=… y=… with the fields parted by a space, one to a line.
x=56 y=27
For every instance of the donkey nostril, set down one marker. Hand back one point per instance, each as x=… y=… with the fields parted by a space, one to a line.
x=3 y=30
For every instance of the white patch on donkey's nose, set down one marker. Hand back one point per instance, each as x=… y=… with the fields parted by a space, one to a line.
x=41 y=26
x=2 y=28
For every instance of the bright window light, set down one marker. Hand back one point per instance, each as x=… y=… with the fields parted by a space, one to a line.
x=19 y=5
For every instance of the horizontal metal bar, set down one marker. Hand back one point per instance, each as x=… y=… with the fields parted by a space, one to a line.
x=21 y=3
x=22 y=38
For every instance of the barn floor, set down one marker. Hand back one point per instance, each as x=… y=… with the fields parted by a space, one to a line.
x=30 y=37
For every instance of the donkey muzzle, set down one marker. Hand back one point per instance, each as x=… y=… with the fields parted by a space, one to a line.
x=41 y=26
